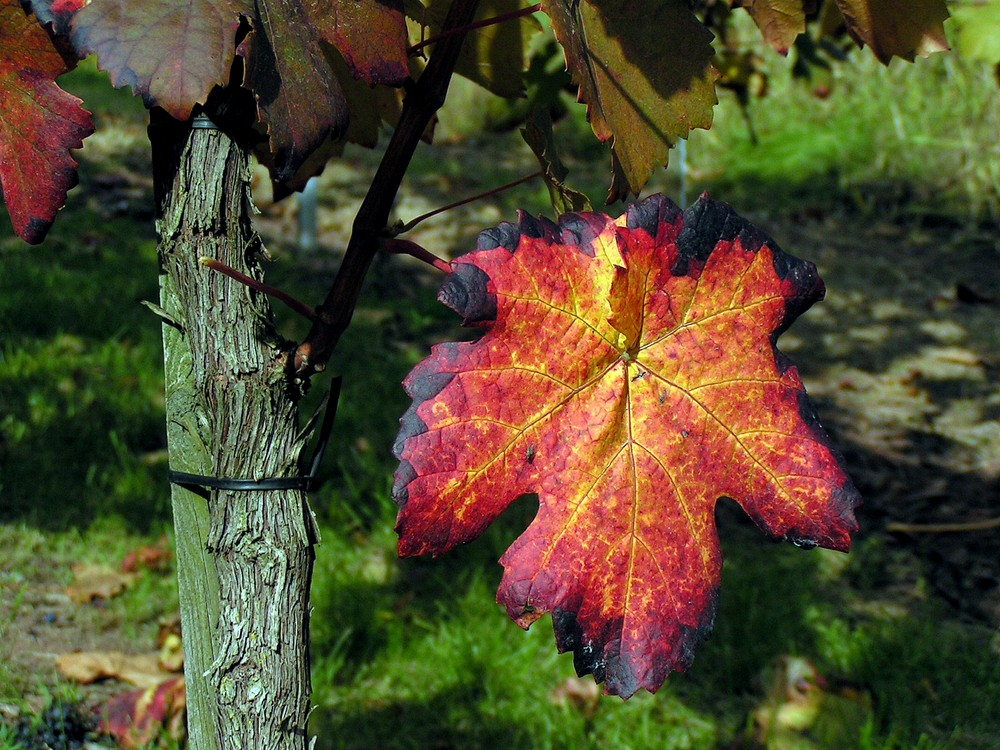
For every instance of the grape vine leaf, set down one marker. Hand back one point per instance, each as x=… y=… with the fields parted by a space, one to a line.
x=976 y=30
x=493 y=56
x=537 y=133
x=779 y=21
x=644 y=69
x=370 y=34
x=39 y=124
x=171 y=53
x=628 y=376
x=176 y=61
x=370 y=108
x=55 y=13
x=298 y=95
x=900 y=28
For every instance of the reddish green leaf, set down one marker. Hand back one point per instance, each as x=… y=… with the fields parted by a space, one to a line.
x=362 y=100
x=901 y=28
x=171 y=53
x=39 y=124
x=371 y=107
x=644 y=68
x=370 y=34
x=177 y=60
x=58 y=13
x=629 y=377
x=297 y=93
x=779 y=21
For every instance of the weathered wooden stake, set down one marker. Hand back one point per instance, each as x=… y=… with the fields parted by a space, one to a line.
x=244 y=557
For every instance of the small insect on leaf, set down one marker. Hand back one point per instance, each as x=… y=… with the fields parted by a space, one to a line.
x=628 y=469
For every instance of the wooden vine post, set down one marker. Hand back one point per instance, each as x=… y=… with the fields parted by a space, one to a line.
x=244 y=558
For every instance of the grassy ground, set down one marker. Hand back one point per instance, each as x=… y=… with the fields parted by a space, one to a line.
x=890 y=195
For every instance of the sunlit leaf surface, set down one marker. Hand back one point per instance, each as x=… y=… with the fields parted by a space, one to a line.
x=628 y=376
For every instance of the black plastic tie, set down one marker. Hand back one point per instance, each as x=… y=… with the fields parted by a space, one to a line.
x=203 y=122
x=307 y=483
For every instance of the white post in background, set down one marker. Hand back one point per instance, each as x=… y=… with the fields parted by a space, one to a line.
x=684 y=173
x=308 y=232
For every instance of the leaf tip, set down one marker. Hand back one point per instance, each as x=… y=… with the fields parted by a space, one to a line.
x=505 y=235
x=466 y=291
x=537 y=228
x=651 y=214
x=35 y=230
x=581 y=229
x=844 y=501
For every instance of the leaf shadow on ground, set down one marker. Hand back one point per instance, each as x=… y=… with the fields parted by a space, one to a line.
x=903 y=361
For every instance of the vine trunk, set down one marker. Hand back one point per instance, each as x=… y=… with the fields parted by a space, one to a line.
x=244 y=558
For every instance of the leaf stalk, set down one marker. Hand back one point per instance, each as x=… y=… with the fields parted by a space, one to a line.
x=407 y=247
x=492 y=21
x=486 y=194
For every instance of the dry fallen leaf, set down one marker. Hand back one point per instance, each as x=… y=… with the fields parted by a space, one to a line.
x=576 y=692
x=171 y=656
x=95 y=581
x=803 y=710
x=142 y=670
x=157 y=557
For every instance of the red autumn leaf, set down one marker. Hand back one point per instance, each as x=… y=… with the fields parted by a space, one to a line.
x=157 y=556
x=629 y=377
x=171 y=53
x=137 y=718
x=174 y=53
x=39 y=124
x=297 y=93
x=370 y=34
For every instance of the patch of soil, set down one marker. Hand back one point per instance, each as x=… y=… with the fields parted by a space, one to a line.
x=42 y=622
x=903 y=360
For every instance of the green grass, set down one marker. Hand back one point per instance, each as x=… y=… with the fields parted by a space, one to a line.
x=415 y=653
x=80 y=375
x=911 y=137
x=438 y=665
